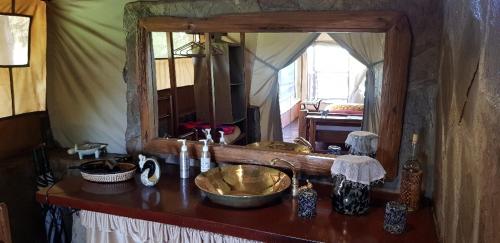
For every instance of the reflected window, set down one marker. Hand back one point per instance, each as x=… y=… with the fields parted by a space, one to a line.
x=332 y=72
x=14 y=40
x=289 y=81
x=184 y=69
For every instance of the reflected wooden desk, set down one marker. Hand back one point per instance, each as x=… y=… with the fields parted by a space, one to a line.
x=332 y=129
x=180 y=203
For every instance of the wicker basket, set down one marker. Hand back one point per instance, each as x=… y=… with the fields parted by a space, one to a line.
x=112 y=177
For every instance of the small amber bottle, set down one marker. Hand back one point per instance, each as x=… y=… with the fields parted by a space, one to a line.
x=411 y=181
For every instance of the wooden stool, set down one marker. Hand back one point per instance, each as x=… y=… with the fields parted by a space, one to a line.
x=4 y=224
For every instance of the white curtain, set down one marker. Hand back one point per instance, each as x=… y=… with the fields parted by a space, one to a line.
x=273 y=52
x=368 y=48
x=356 y=94
x=106 y=228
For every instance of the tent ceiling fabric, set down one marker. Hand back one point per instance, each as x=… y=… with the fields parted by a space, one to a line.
x=86 y=91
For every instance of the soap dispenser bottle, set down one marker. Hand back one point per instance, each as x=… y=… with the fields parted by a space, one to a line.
x=183 y=160
x=208 y=135
x=205 y=157
x=222 y=139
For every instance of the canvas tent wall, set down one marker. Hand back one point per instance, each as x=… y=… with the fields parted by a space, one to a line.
x=26 y=92
x=22 y=88
x=86 y=91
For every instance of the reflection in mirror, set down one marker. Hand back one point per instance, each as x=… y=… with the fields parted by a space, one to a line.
x=14 y=40
x=305 y=91
x=184 y=79
x=197 y=107
x=332 y=89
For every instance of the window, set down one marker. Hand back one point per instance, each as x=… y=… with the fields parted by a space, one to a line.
x=160 y=42
x=184 y=69
x=288 y=79
x=331 y=70
x=14 y=40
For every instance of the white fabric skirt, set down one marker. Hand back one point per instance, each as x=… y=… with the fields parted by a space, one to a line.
x=106 y=228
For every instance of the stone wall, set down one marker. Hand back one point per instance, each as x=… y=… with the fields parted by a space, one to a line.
x=467 y=192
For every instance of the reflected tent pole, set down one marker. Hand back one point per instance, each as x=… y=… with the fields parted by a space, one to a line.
x=210 y=81
x=173 y=85
x=13 y=103
x=246 y=83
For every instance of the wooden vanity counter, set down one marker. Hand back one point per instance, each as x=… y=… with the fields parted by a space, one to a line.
x=181 y=203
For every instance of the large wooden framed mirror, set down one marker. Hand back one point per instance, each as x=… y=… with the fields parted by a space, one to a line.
x=228 y=39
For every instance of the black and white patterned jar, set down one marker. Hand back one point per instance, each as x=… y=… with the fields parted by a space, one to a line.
x=349 y=197
x=395 y=217
x=334 y=149
x=307 y=199
x=362 y=143
x=353 y=177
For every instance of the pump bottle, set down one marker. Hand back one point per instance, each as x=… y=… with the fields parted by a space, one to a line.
x=183 y=160
x=222 y=139
x=205 y=156
x=208 y=135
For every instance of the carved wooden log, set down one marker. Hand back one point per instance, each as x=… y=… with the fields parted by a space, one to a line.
x=314 y=164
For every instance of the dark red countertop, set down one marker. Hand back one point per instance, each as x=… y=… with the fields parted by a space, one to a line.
x=182 y=204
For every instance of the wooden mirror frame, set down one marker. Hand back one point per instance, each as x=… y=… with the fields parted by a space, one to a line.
x=396 y=59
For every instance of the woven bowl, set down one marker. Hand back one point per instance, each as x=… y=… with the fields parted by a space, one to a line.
x=127 y=171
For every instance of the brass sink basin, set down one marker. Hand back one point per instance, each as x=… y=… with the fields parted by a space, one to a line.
x=243 y=186
x=283 y=146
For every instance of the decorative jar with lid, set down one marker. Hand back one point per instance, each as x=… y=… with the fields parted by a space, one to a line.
x=353 y=177
x=362 y=143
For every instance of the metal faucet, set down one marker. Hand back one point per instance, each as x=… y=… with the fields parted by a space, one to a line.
x=295 y=181
x=303 y=141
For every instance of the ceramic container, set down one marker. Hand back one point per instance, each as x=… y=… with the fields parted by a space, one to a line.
x=362 y=143
x=395 y=217
x=349 y=197
x=307 y=199
x=334 y=149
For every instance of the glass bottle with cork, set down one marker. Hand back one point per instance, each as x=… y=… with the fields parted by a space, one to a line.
x=411 y=182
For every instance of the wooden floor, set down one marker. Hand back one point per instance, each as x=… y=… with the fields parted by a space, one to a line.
x=184 y=205
x=291 y=131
